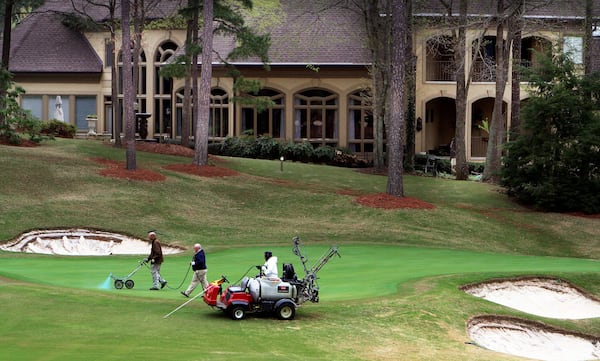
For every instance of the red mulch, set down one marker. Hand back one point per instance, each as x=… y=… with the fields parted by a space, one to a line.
x=387 y=201
x=118 y=169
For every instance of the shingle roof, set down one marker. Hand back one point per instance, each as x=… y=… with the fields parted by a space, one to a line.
x=310 y=32
x=317 y=32
x=41 y=44
x=566 y=9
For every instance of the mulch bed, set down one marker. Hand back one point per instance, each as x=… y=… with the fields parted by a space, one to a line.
x=387 y=201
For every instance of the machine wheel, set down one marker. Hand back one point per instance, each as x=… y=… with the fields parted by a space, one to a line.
x=129 y=284
x=118 y=284
x=286 y=311
x=237 y=313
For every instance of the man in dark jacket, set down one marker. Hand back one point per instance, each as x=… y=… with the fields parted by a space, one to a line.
x=199 y=266
x=156 y=259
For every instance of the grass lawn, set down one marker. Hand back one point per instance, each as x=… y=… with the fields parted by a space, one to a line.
x=393 y=294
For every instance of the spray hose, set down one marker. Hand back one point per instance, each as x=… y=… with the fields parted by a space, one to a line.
x=182 y=281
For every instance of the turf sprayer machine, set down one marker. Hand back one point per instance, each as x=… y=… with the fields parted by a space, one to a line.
x=280 y=296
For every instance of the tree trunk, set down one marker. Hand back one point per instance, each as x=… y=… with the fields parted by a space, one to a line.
x=493 y=162
x=462 y=89
x=395 y=127
x=6 y=36
x=515 y=94
x=587 y=39
x=201 y=136
x=114 y=93
x=128 y=89
x=186 y=113
x=7 y=32
x=194 y=70
x=411 y=90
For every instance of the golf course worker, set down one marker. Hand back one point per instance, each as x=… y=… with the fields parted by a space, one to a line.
x=199 y=266
x=269 y=269
x=156 y=259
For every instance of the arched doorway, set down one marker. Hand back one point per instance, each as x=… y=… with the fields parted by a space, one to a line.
x=439 y=125
x=481 y=120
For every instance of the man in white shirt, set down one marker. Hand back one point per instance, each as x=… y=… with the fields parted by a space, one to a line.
x=269 y=269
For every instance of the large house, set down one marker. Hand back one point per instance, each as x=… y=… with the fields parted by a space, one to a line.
x=319 y=69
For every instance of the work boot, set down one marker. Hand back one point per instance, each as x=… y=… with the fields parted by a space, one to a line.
x=154 y=288
x=163 y=284
x=185 y=294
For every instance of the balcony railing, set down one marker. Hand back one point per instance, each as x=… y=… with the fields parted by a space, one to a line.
x=440 y=71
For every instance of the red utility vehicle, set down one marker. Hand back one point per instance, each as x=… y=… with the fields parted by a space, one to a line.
x=269 y=294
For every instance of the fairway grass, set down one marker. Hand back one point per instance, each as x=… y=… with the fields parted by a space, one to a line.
x=393 y=295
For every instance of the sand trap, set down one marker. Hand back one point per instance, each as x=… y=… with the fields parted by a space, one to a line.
x=546 y=297
x=531 y=339
x=81 y=242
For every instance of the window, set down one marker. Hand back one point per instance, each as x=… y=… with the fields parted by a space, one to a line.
x=269 y=122
x=163 y=87
x=179 y=96
x=573 y=47
x=440 y=59
x=58 y=106
x=34 y=104
x=360 y=124
x=141 y=74
x=84 y=105
x=218 y=126
x=316 y=117
x=484 y=69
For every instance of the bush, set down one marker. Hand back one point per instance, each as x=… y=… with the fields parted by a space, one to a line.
x=323 y=154
x=56 y=128
x=16 y=121
x=554 y=164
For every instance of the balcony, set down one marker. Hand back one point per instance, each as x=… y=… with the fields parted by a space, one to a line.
x=438 y=70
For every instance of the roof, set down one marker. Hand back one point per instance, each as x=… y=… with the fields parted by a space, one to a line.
x=42 y=44
x=308 y=32
x=549 y=9
x=318 y=32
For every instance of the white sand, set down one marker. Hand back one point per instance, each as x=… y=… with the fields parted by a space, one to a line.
x=544 y=297
x=81 y=242
x=527 y=339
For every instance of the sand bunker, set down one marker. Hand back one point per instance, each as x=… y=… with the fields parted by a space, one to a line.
x=542 y=296
x=546 y=297
x=531 y=339
x=81 y=242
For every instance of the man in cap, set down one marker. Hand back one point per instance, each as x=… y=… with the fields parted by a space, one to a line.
x=156 y=259
x=199 y=266
x=269 y=269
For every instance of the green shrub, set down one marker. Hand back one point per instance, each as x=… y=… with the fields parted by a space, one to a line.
x=56 y=128
x=554 y=163
x=323 y=154
x=265 y=147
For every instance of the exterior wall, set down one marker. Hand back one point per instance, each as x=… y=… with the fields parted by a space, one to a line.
x=433 y=98
x=428 y=91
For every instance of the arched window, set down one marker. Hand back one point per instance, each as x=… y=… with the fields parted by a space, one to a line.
x=179 y=95
x=163 y=87
x=218 y=126
x=269 y=121
x=484 y=69
x=316 y=117
x=360 y=123
x=140 y=82
x=440 y=59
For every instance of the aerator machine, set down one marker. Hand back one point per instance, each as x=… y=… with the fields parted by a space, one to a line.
x=270 y=294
